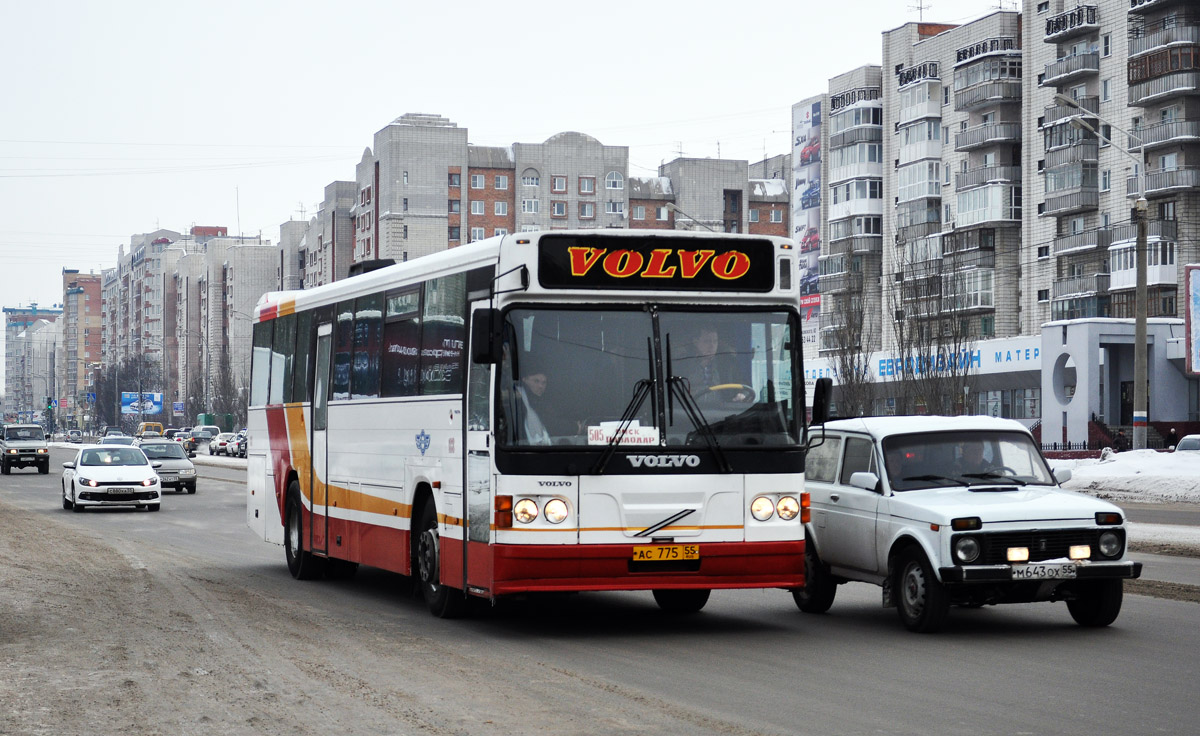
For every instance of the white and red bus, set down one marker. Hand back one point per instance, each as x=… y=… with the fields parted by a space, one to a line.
x=540 y=412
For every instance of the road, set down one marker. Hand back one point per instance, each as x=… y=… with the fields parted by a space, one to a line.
x=183 y=622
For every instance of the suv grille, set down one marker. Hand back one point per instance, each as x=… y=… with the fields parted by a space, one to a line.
x=1043 y=544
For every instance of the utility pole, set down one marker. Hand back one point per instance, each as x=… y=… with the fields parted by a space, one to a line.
x=1140 y=348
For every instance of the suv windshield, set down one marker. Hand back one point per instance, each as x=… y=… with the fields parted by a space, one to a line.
x=163 y=450
x=974 y=458
x=24 y=433
x=569 y=376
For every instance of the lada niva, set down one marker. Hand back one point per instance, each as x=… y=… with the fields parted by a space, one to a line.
x=955 y=511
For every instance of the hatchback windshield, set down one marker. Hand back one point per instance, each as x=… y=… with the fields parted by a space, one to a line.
x=973 y=458
x=673 y=378
x=162 y=450
x=113 y=456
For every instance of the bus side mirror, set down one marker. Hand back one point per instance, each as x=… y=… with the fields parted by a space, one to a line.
x=822 y=395
x=485 y=336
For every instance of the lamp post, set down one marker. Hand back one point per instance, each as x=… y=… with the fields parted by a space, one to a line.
x=1140 y=347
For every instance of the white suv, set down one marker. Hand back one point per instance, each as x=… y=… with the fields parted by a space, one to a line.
x=943 y=511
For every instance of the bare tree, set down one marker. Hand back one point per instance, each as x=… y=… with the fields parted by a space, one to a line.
x=848 y=336
x=195 y=396
x=224 y=393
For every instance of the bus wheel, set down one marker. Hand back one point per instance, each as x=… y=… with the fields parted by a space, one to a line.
x=819 y=587
x=681 y=601
x=443 y=601
x=301 y=564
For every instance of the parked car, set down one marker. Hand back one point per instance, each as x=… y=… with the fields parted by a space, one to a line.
x=944 y=511
x=185 y=440
x=175 y=469
x=24 y=446
x=241 y=445
x=1187 y=443
x=110 y=475
x=75 y=436
x=219 y=445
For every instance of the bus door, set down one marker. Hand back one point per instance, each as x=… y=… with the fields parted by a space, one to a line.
x=477 y=501
x=319 y=465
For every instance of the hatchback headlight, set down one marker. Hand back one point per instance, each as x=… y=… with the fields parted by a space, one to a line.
x=1110 y=544
x=966 y=549
x=150 y=481
x=86 y=482
x=762 y=508
x=525 y=511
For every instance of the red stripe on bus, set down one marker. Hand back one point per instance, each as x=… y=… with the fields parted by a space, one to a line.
x=281 y=454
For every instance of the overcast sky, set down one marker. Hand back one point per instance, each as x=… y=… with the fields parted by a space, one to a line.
x=120 y=118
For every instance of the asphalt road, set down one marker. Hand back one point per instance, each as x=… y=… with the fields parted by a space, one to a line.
x=749 y=663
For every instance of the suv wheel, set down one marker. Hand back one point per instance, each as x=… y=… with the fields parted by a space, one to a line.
x=920 y=598
x=1098 y=603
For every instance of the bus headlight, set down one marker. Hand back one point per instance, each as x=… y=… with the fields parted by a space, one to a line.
x=788 y=508
x=525 y=511
x=556 y=510
x=1110 y=544
x=762 y=508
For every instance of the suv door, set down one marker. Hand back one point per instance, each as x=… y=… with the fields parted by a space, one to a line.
x=852 y=512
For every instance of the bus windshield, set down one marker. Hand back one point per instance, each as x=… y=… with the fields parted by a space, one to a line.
x=648 y=376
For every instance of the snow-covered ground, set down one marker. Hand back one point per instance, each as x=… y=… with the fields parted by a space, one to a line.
x=1142 y=476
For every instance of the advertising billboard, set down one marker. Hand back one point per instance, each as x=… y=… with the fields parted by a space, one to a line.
x=147 y=403
x=1192 y=317
x=806 y=213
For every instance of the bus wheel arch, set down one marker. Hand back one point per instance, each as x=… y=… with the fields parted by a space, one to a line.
x=443 y=600
x=302 y=564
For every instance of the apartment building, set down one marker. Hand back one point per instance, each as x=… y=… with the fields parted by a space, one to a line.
x=20 y=385
x=80 y=351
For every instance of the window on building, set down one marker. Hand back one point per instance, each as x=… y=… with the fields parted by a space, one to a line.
x=476 y=206
x=477 y=234
x=454 y=180
x=500 y=208
x=776 y=216
x=753 y=215
x=614 y=208
x=453 y=206
x=558 y=209
x=639 y=212
x=1043 y=251
x=1043 y=295
x=587 y=210
x=1106 y=44
x=1105 y=134
x=1105 y=96
x=614 y=180
x=501 y=181
x=404 y=204
x=1166 y=210
x=500 y=231
x=660 y=214
x=406 y=178
x=454 y=233
x=531 y=178
x=1105 y=180
x=477 y=181
x=558 y=184
x=530 y=206
x=587 y=185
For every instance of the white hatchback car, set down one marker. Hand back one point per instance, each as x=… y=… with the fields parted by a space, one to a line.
x=943 y=511
x=110 y=475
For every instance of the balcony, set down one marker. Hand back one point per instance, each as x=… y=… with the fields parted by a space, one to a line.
x=986 y=175
x=1097 y=283
x=1142 y=7
x=986 y=135
x=988 y=93
x=930 y=108
x=1081 y=200
x=1161 y=88
x=918 y=231
x=1155 y=229
x=863 y=244
x=1162 y=134
x=1070 y=68
x=859 y=134
x=1078 y=22
x=1083 y=242
x=1174 y=29
x=1165 y=182
x=838 y=282
x=1055 y=113
x=1084 y=151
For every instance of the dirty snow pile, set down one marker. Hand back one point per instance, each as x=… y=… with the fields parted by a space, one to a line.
x=1139 y=476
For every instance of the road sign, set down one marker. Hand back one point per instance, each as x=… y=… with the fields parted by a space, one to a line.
x=177 y=408
x=91 y=397
x=53 y=403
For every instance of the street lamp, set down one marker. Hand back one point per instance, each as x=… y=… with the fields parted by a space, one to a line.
x=1140 y=348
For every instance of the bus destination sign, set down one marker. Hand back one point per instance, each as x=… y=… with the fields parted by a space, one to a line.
x=691 y=264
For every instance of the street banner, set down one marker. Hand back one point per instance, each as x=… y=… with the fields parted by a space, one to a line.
x=177 y=408
x=148 y=403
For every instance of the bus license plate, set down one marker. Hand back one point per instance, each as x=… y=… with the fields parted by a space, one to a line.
x=665 y=552
x=1043 y=572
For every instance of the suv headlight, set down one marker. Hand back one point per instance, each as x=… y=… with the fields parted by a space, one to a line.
x=1110 y=544
x=966 y=549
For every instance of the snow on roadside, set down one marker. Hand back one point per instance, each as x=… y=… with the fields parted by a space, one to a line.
x=1142 y=476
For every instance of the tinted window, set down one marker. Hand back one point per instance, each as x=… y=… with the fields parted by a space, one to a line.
x=401 y=357
x=301 y=369
x=859 y=458
x=368 y=326
x=261 y=363
x=443 y=337
x=820 y=464
x=282 y=357
x=343 y=349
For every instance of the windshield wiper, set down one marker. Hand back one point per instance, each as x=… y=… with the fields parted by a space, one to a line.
x=640 y=392
x=997 y=476
x=959 y=481
x=678 y=389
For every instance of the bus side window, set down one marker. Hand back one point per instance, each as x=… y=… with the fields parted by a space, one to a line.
x=343 y=349
x=302 y=368
x=260 y=370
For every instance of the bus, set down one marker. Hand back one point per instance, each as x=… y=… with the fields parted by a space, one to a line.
x=598 y=410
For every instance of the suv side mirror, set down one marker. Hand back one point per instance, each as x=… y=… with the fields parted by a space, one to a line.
x=822 y=396
x=485 y=336
x=866 y=481
x=1061 y=475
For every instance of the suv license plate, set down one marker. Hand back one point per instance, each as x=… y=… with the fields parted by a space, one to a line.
x=664 y=552
x=1043 y=572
